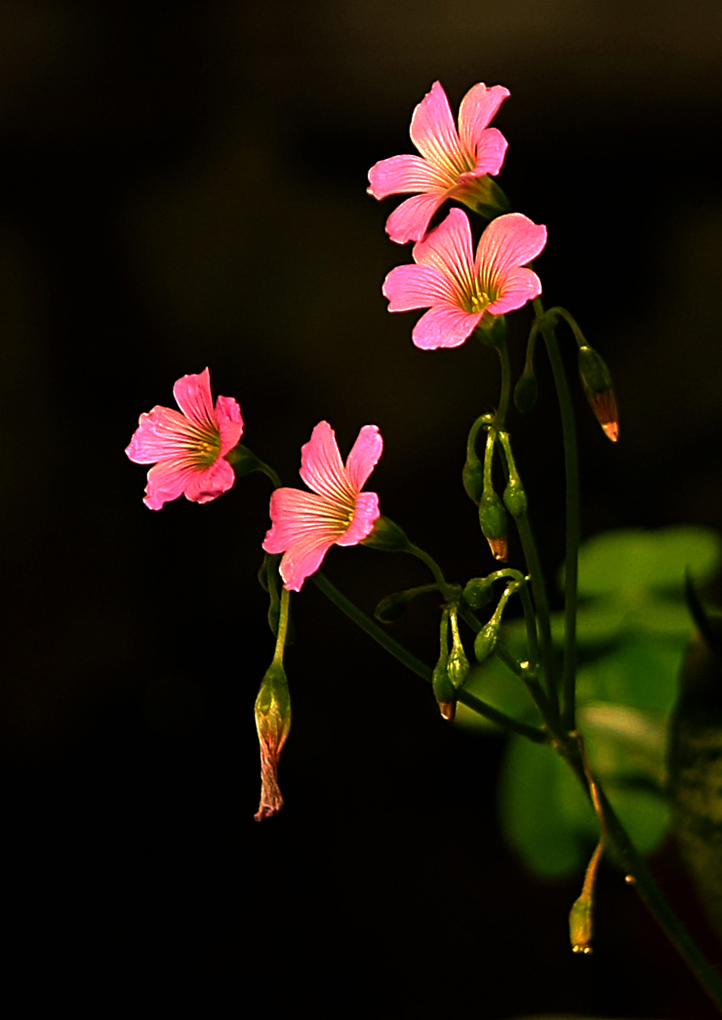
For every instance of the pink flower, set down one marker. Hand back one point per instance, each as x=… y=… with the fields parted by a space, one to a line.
x=459 y=289
x=451 y=161
x=188 y=449
x=307 y=524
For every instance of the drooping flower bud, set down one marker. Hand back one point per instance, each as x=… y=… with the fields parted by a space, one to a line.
x=597 y=384
x=492 y=518
x=444 y=691
x=392 y=607
x=458 y=665
x=477 y=592
x=515 y=498
x=526 y=391
x=472 y=477
x=273 y=722
x=443 y=688
x=486 y=639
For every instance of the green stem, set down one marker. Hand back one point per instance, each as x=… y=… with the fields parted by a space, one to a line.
x=541 y=604
x=573 y=530
x=634 y=865
x=505 y=394
x=282 y=627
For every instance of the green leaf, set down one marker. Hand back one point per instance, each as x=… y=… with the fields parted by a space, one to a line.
x=634 y=560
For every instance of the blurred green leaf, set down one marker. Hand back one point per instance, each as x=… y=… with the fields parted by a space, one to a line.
x=634 y=560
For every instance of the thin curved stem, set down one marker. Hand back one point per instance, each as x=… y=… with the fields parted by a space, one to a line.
x=573 y=529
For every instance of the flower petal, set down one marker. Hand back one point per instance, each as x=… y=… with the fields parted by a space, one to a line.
x=444 y=326
x=490 y=152
x=410 y=220
x=411 y=286
x=203 y=486
x=433 y=131
x=162 y=434
x=477 y=109
x=508 y=242
x=403 y=173
x=366 y=512
x=448 y=249
x=166 y=481
x=193 y=395
x=321 y=467
x=229 y=423
x=364 y=456
x=519 y=286
x=301 y=531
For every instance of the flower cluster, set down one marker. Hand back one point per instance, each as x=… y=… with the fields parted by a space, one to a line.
x=193 y=450
x=461 y=290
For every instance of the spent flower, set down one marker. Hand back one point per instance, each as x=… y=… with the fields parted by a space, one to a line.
x=336 y=512
x=460 y=289
x=453 y=163
x=188 y=447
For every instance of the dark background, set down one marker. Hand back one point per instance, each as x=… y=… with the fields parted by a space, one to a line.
x=183 y=185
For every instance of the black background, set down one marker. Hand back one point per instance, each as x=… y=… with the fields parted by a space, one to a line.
x=184 y=185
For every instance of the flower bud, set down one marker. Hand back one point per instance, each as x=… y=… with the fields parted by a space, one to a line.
x=526 y=392
x=457 y=665
x=492 y=519
x=597 y=384
x=386 y=536
x=472 y=477
x=485 y=641
x=393 y=607
x=444 y=691
x=273 y=722
x=477 y=592
x=515 y=498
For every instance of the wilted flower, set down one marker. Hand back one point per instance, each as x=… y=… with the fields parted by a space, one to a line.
x=452 y=163
x=188 y=448
x=459 y=289
x=307 y=524
x=273 y=723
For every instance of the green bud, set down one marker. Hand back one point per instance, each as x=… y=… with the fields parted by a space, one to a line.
x=477 y=592
x=393 y=607
x=486 y=640
x=472 y=477
x=443 y=690
x=492 y=518
x=457 y=667
x=386 y=536
x=526 y=392
x=599 y=391
x=581 y=925
x=515 y=498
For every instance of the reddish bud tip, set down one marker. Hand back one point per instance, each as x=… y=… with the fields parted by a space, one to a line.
x=498 y=548
x=604 y=406
x=447 y=709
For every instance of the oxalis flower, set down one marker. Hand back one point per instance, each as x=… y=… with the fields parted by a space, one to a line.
x=458 y=289
x=188 y=448
x=451 y=164
x=336 y=512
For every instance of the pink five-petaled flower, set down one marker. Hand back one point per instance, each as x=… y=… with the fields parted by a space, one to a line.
x=459 y=289
x=188 y=449
x=307 y=524
x=451 y=161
